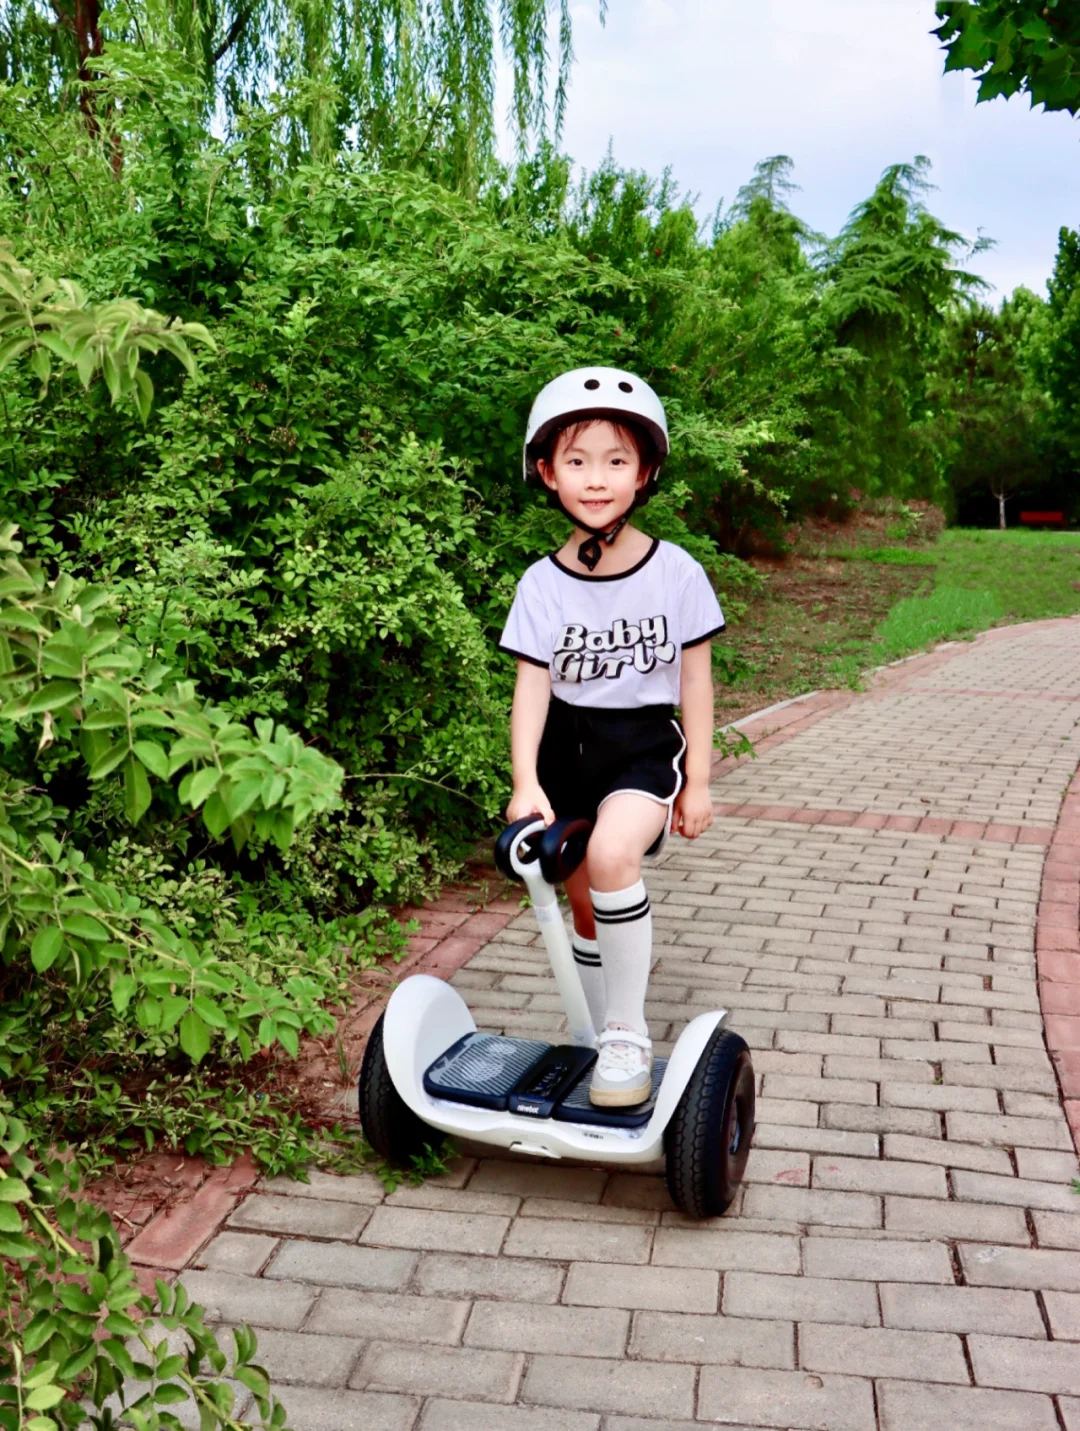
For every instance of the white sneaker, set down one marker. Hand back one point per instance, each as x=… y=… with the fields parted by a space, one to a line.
x=622 y=1075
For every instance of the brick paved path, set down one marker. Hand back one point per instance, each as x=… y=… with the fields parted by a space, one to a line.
x=905 y=1254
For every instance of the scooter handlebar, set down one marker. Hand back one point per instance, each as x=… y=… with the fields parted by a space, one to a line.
x=519 y=846
x=559 y=848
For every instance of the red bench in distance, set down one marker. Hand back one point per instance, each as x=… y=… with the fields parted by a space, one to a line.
x=1042 y=519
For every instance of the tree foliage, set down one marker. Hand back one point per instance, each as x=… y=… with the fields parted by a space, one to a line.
x=1016 y=46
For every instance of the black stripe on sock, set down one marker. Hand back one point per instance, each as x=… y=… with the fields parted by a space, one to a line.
x=638 y=908
x=589 y=961
x=622 y=916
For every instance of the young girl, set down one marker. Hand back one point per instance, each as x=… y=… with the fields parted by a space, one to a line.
x=611 y=633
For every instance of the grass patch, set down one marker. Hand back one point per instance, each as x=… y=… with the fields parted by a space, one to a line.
x=1033 y=575
x=887 y=556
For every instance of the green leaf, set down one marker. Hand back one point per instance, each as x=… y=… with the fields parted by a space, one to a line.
x=216 y=816
x=13 y=1190
x=10 y=1221
x=194 y=1036
x=136 y=791
x=52 y=696
x=203 y=783
x=154 y=757
x=83 y=927
x=107 y=763
x=123 y=990
x=75 y=1299
x=48 y=942
x=170 y=1395
x=209 y=1012
x=43 y=1397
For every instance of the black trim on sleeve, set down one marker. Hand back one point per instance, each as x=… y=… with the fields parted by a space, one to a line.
x=521 y=656
x=698 y=640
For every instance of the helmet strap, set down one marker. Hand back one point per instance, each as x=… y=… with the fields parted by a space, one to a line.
x=591 y=550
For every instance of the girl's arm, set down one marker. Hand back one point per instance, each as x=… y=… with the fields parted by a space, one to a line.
x=692 y=814
x=528 y=715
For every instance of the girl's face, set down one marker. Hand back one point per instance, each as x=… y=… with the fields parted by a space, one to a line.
x=596 y=472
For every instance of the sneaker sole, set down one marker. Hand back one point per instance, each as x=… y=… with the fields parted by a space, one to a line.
x=619 y=1097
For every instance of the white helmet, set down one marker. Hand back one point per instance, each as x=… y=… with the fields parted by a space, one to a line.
x=594 y=393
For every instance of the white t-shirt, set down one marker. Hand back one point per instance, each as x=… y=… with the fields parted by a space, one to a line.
x=613 y=642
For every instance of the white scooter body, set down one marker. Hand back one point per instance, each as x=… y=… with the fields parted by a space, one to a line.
x=425 y=1017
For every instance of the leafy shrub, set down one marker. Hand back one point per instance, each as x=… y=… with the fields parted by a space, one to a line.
x=80 y=1338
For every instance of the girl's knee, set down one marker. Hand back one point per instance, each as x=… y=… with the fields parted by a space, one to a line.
x=613 y=866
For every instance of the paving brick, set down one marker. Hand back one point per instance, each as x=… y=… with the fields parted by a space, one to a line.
x=1057 y=1229
x=363 y=1188
x=1063 y=1309
x=341 y=1264
x=919 y=1217
x=1046 y=1167
x=171 y=1239
x=836 y=1209
x=531 y=1179
x=485 y=1416
x=1070 y=1412
x=704 y=1340
x=728 y=1250
x=564 y=1240
x=1021 y=1192
x=245 y=1252
x=436 y=1231
x=450 y=1199
x=820 y=1140
x=877 y=1070
x=882 y=1351
x=939 y=1096
x=1021 y=1077
x=427 y=1370
x=589 y=1211
x=301 y=1216
x=871 y=1175
x=870 y=1261
x=921 y=1122
x=1010 y=1132
x=531 y=1327
x=1022 y=1365
x=1041 y=1269
x=307 y=1359
x=635 y=1190
x=346 y=1311
x=907 y=1406
x=961 y=1309
x=594 y=1384
x=665 y=1289
x=786 y=1399
x=319 y=1409
x=777 y=1165
x=952 y=1155
x=229 y=1297
x=450 y=1275
x=806 y=1299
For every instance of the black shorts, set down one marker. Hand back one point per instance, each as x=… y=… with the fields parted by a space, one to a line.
x=587 y=755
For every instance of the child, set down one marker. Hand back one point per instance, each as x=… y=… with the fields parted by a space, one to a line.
x=610 y=634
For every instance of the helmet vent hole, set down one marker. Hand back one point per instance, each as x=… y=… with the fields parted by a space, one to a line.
x=626 y=387
x=592 y=384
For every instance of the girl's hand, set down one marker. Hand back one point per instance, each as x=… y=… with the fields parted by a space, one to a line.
x=692 y=813
x=530 y=800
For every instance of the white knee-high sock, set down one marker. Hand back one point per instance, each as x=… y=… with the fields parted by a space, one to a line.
x=591 y=973
x=624 y=931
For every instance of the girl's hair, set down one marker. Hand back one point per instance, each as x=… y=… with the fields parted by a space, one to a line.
x=630 y=432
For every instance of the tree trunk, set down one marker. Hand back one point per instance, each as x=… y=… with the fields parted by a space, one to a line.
x=1001 y=511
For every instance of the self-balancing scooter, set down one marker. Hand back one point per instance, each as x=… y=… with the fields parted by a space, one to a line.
x=427 y=1067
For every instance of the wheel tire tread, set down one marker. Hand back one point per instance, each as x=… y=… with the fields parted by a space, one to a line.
x=687 y=1139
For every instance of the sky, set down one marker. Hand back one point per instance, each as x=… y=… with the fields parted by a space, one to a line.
x=845 y=87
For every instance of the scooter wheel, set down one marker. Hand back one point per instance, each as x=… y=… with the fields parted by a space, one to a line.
x=707 y=1141
x=390 y=1126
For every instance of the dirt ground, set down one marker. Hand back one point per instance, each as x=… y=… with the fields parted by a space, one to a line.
x=814 y=610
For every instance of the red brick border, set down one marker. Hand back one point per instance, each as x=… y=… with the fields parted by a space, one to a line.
x=1057 y=945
